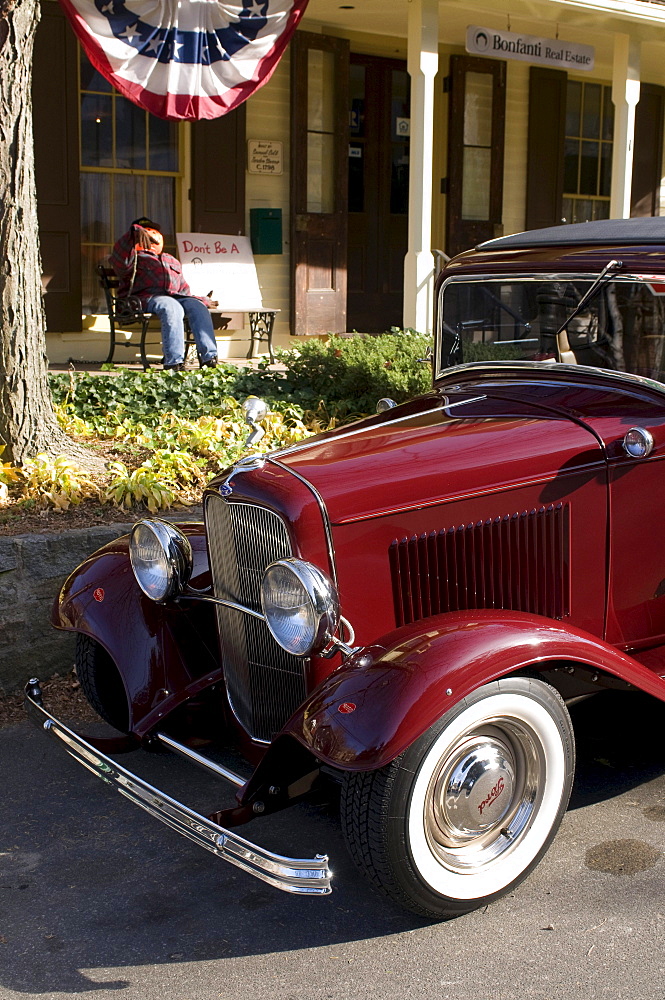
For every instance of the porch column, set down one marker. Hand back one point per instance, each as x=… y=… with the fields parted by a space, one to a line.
x=422 y=64
x=625 y=95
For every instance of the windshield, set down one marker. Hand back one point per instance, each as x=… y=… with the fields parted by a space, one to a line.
x=622 y=327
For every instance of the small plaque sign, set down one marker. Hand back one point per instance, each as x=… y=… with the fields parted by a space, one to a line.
x=265 y=156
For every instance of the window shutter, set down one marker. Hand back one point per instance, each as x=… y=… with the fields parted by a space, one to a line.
x=218 y=174
x=648 y=151
x=55 y=104
x=547 y=123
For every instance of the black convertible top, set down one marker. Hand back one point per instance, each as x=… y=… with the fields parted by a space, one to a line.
x=647 y=230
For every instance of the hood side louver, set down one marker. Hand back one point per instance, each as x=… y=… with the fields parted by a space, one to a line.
x=516 y=562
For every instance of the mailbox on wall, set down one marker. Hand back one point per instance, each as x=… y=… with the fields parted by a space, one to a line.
x=265 y=227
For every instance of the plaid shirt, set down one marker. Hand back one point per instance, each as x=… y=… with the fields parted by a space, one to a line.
x=156 y=274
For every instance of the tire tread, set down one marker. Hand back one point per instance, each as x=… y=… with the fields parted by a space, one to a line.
x=101 y=682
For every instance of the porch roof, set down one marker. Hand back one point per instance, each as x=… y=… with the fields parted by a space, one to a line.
x=375 y=17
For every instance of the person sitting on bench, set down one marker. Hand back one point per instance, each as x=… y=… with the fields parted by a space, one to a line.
x=145 y=270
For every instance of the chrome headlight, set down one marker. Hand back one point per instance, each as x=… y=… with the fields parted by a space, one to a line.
x=161 y=558
x=300 y=605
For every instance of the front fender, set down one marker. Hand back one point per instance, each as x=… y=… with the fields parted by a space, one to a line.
x=146 y=641
x=385 y=696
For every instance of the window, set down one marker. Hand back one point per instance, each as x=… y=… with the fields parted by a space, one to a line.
x=587 y=151
x=130 y=166
x=477 y=152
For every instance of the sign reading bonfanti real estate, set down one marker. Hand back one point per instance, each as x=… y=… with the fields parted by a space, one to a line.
x=529 y=48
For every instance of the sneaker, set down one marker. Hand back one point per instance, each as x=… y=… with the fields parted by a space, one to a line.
x=210 y=363
x=179 y=366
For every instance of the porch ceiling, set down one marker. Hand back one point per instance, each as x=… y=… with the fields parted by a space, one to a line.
x=376 y=17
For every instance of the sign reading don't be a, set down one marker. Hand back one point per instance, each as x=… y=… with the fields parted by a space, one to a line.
x=221 y=267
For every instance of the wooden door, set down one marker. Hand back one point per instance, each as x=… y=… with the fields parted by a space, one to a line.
x=476 y=131
x=319 y=146
x=378 y=153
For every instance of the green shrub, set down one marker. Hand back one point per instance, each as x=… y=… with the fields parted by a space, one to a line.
x=191 y=423
x=347 y=374
x=340 y=380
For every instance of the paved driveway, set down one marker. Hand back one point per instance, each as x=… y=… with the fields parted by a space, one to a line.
x=98 y=898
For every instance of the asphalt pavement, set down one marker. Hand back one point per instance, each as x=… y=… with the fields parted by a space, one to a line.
x=98 y=898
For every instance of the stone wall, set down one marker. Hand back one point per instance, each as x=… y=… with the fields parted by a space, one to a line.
x=32 y=570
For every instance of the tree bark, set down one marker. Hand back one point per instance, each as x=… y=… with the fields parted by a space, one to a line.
x=28 y=424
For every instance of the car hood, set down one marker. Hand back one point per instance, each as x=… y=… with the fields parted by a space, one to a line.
x=445 y=445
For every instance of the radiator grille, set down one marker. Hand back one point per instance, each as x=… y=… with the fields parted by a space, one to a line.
x=515 y=562
x=264 y=683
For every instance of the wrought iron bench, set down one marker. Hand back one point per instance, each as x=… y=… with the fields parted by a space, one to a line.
x=128 y=311
x=261 y=325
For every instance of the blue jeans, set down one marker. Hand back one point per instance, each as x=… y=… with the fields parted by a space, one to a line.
x=171 y=310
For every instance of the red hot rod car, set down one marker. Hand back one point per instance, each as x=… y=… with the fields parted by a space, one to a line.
x=406 y=605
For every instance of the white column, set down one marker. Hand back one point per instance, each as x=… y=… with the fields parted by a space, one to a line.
x=423 y=63
x=625 y=95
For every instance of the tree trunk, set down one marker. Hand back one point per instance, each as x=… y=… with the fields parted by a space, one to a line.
x=28 y=424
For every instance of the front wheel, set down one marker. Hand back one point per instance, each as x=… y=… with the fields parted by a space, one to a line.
x=101 y=683
x=463 y=815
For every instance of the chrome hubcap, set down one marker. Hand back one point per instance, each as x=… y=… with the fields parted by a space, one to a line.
x=476 y=789
x=484 y=794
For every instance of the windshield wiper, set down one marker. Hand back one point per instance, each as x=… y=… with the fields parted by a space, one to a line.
x=566 y=355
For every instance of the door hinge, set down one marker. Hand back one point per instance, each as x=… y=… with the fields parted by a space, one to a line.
x=447 y=83
x=444 y=185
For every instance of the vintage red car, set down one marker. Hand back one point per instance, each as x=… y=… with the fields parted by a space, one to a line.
x=406 y=605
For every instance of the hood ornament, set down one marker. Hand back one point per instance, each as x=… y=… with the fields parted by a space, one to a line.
x=247 y=464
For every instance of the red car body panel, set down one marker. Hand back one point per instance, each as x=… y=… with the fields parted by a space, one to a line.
x=492 y=453
x=164 y=654
x=385 y=697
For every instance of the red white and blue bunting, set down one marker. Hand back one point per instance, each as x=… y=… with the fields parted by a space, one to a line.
x=185 y=59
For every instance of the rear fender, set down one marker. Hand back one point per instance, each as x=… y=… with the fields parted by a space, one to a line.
x=385 y=696
x=164 y=653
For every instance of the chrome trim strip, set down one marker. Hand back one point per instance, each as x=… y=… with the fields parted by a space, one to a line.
x=305 y=876
x=545 y=368
x=196 y=758
x=223 y=603
x=312 y=443
x=322 y=507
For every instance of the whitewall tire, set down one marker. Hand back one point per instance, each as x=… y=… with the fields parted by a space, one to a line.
x=465 y=813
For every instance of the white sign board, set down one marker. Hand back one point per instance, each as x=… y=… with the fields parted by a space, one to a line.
x=265 y=156
x=529 y=48
x=221 y=267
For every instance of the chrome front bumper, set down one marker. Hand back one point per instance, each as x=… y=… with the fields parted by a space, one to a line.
x=307 y=876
